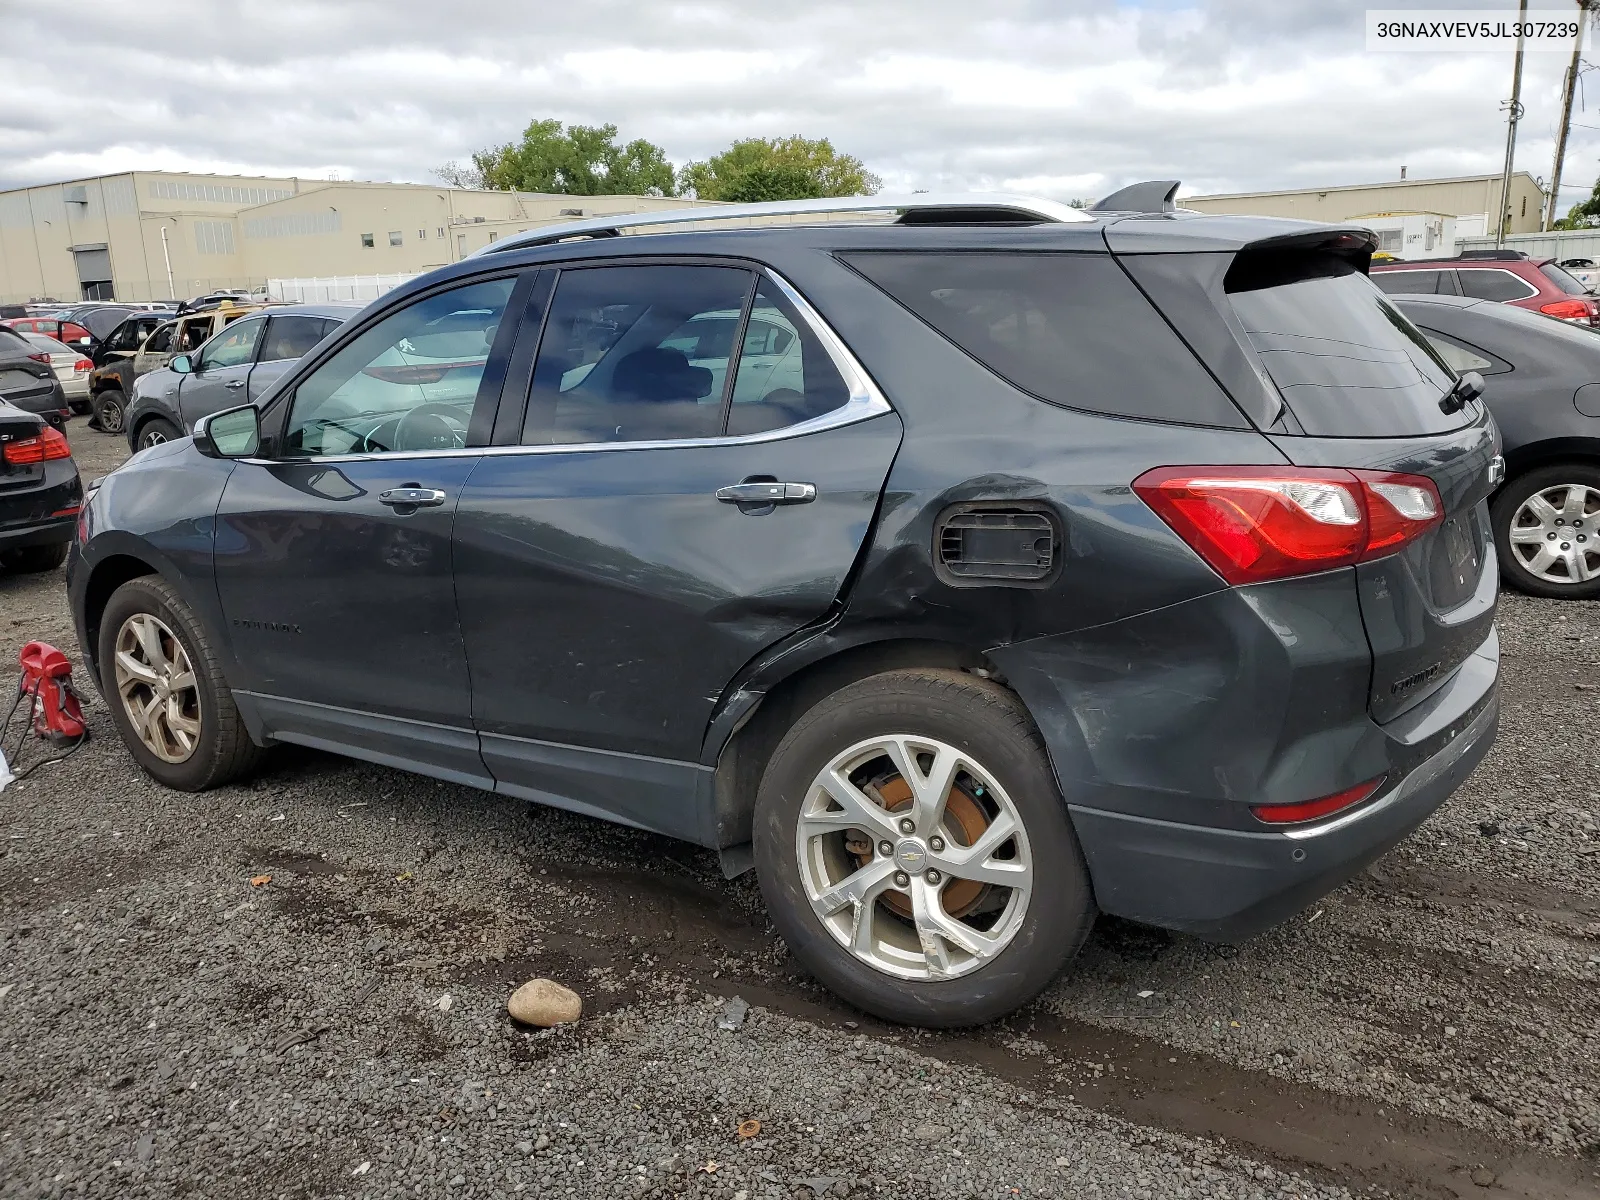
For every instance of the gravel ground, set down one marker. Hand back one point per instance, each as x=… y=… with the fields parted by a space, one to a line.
x=166 y=1028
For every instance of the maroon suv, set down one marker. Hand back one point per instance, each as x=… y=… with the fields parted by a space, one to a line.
x=1505 y=276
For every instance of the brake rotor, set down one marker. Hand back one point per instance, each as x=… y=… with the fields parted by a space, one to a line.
x=964 y=823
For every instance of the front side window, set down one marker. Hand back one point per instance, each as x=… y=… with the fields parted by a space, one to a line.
x=191 y=334
x=635 y=354
x=161 y=340
x=1491 y=283
x=290 y=337
x=407 y=384
x=232 y=348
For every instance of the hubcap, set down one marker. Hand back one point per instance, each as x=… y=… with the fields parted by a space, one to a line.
x=913 y=857
x=1553 y=534
x=157 y=685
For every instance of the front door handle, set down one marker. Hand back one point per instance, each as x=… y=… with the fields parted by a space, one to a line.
x=236 y=383
x=411 y=497
x=768 y=493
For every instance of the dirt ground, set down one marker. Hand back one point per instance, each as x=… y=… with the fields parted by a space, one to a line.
x=168 y=1029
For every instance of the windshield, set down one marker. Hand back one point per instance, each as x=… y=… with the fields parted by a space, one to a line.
x=1345 y=360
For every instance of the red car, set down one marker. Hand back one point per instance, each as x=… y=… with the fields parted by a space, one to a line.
x=1504 y=276
x=68 y=333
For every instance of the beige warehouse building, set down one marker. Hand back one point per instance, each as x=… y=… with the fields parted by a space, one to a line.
x=1469 y=198
x=156 y=235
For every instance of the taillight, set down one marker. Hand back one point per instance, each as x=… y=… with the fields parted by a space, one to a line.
x=47 y=445
x=1568 y=310
x=1323 y=806
x=1253 y=524
x=82 y=367
x=42 y=357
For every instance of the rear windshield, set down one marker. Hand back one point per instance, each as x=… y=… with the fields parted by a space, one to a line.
x=1562 y=280
x=1071 y=329
x=1346 y=362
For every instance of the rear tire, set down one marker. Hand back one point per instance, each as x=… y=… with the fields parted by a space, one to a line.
x=936 y=947
x=157 y=431
x=194 y=738
x=35 y=558
x=1538 y=519
x=110 y=408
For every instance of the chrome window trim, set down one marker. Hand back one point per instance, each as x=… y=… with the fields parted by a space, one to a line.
x=865 y=402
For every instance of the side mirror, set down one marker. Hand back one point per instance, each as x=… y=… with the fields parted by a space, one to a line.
x=233 y=433
x=1467 y=389
x=183 y=364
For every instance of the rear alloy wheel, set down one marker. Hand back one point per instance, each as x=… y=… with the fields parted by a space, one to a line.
x=110 y=407
x=166 y=691
x=1547 y=531
x=915 y=851
x=157 y=431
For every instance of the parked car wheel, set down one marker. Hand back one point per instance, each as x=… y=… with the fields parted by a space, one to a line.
x=166 y=691
x=156 y=431
x=1547 y=531
x=34 y=558
x=110 y=408
x=915 y=852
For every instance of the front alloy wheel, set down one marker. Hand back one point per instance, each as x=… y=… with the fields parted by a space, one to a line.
x=913 y=857
x=157 y=685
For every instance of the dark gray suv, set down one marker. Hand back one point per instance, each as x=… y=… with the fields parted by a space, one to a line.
x=967 y=568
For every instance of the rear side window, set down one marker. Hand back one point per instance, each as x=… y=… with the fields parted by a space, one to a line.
x=1071 y=329
x=1346 y=362
x=1562 y=280
x=1492 y=283
x=1410 y=283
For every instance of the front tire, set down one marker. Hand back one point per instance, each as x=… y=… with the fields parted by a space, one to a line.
x=110 y=409
x=156 y=431
x=915 y=852
x=166 y=691
x=1547 y=531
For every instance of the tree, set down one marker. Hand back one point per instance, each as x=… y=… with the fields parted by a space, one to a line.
x=791 y=168
x=454 y=174
x=1585 y=214
x=580 y=160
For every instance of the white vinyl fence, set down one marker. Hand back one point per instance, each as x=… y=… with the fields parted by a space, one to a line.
x=335 y=287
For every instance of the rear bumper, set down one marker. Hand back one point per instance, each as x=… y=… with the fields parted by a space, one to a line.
x=27 y=514
x=44 y=533
x=1227 y=884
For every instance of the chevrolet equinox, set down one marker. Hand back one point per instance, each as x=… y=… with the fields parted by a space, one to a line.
x=968 y=566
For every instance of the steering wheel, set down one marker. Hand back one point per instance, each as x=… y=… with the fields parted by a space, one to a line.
x=436 y=426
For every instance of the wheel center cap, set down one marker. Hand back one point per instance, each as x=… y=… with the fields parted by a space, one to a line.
x=910 y=854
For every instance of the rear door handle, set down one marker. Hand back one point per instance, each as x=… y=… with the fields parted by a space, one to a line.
x=236 y=383
x=768 y=493
x=411 y=497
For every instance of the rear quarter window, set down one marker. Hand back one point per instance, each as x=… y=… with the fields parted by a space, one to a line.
x=1070 y=329
x=1344 y=359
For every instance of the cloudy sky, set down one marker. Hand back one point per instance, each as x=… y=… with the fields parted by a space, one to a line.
x=1066 y=98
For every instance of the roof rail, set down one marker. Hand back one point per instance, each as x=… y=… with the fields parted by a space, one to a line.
x=1153 y=196
x=1493 y=255
x=981 y=206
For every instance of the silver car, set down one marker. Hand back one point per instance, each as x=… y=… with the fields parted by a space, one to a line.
x=71 y=366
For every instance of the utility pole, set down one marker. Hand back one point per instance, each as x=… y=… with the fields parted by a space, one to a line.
x=1569 y=89
x=1513 y=115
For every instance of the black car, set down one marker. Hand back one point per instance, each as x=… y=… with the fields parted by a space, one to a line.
x=40 y=493
x=28 y=381
x=1543 y=387
x=242 y=362
x=968 y=569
